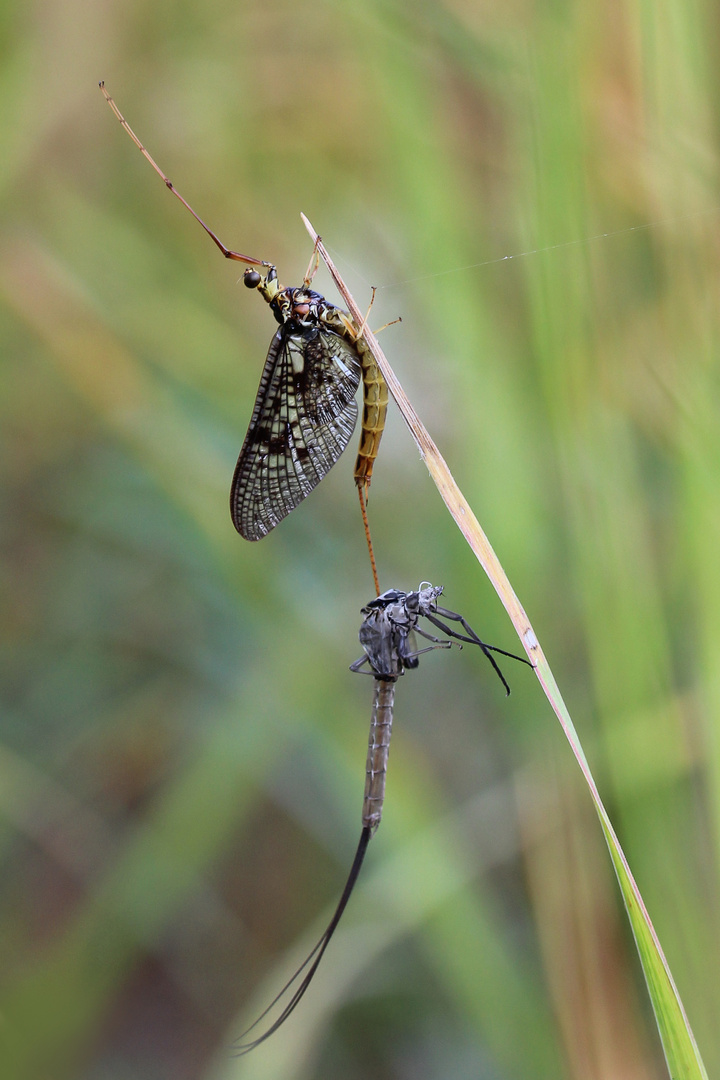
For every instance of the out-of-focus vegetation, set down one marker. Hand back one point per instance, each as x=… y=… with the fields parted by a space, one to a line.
x=182 y=745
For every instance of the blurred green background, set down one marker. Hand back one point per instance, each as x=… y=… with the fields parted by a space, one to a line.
x=182 y=755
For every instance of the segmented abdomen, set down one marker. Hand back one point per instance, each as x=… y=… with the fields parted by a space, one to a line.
x=375 y=400
x=378 y=750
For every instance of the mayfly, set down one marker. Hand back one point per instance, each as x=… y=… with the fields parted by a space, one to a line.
x=305 y=410
x=387 y=635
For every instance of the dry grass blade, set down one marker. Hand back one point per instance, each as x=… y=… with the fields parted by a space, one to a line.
x=679 y=1044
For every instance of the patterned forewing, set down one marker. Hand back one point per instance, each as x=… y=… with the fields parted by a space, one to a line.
x=303 y=419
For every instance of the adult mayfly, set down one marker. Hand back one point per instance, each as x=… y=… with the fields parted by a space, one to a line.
x=387 y=635
x=305 y=411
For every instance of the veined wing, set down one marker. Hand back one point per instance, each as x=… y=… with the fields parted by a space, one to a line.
x=304 y=417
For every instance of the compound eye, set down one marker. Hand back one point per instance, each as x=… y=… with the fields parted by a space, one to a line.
x=252 y=279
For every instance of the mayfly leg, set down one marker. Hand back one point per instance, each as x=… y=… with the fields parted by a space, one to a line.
x=227 y=252
x=472 y=639
x=312 y=266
